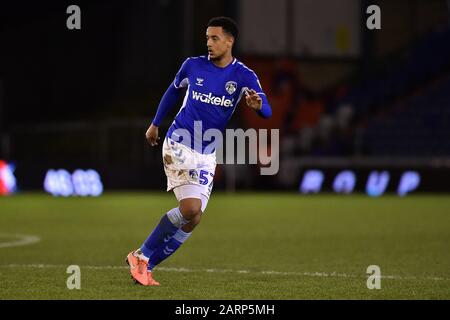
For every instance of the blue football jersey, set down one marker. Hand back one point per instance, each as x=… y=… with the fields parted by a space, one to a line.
x=212 y=96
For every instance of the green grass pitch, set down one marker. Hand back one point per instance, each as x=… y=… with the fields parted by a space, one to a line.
x=248 y=246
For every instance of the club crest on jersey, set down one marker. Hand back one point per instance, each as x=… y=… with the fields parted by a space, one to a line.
x=231 y=87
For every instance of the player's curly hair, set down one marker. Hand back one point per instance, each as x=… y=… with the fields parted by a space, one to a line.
x=228 y=25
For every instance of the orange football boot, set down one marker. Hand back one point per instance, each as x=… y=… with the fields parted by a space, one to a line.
x=150 y=280
x=138 y=270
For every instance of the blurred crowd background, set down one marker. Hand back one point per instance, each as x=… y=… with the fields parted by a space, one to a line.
x=343 y=96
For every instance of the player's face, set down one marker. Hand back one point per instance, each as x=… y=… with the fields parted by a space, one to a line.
x=218 y=42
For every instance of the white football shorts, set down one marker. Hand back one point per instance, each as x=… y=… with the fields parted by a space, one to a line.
x=190 y=174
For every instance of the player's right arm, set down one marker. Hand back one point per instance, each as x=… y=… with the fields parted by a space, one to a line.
x=167 y=102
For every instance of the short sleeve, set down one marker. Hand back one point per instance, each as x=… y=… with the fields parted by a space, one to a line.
x=251 y=81
x=182 y=76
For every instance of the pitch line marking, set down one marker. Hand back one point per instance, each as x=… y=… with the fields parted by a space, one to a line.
x=22 y=240
x=280 y=273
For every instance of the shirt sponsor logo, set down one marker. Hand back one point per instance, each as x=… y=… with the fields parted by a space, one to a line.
x=211 y=99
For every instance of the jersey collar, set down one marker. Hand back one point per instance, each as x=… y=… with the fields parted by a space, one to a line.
x=223 y=68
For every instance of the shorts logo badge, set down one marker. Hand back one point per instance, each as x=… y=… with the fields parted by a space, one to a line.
x=193 y=174
x=231 y=87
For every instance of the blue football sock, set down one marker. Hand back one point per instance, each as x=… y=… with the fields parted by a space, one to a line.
x=169 y=248
x=160 y=235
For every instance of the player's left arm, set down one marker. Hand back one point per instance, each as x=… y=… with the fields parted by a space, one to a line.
x=256 y=98
x=258 y=102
